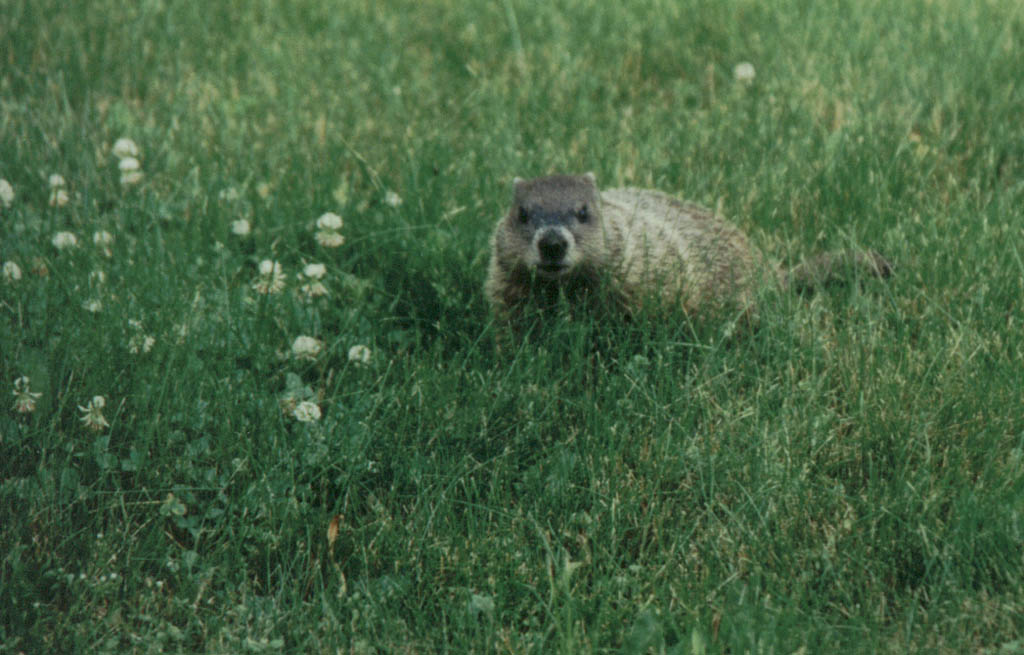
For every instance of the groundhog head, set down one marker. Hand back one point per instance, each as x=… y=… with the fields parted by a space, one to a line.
x=551 y=221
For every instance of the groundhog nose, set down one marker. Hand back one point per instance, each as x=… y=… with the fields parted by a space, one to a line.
x=552 y=246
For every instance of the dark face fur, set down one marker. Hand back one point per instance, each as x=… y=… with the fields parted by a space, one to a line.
x=554 y=216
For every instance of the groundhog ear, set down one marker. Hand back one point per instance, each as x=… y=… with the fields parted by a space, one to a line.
x=516 y=181
x=590 y=176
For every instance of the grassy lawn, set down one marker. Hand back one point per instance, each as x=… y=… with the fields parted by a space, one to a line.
x=251 y=400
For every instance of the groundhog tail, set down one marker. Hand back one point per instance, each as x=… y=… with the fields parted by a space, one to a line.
x=836 y=267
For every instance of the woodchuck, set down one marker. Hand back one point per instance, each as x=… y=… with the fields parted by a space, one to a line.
x=563 y=238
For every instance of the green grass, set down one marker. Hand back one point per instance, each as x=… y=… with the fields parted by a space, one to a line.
x=849 y=477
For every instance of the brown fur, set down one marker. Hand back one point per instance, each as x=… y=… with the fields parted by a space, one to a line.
x=563 y=237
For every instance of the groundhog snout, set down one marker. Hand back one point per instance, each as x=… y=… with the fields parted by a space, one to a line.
x=554 y=251
x=552 y=246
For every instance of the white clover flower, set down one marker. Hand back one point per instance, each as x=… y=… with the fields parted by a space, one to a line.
x=180 y=332
x=314 y=271
x=329 y=221
x=6 y=193
x=24 y=397
x=103 y=240
x=56 y=181
x=269 y=267
x=306 y=347
x=131 y=171
x=744 y=72
x=306 y=412
x=93 y=305
x=329 y=238
x=92 y=414
x=132 y=178
x=11 y=272
x=140 y=343
x=328 y=235
x=263 y=190
x=392 y=199
x=271 y=278
x=241 y=227
x=359 y=354
x=64 y=240
x=129 y=164
x=229 y=194
x=59 y=197
x=314 y=289
x=480 y=604
x=125 y=148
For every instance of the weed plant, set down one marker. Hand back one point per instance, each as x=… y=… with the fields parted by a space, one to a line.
x=209 y=445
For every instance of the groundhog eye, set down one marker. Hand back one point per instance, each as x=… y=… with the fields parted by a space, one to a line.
x=582 y=215
x=524 y=216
